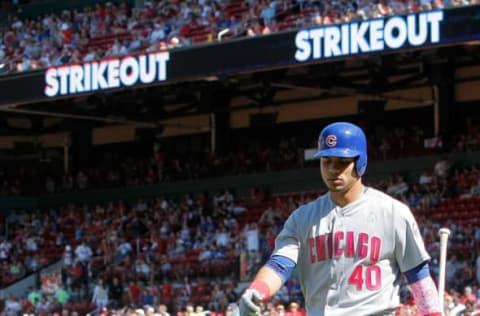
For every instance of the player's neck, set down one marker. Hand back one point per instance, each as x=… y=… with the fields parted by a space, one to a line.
x=344 y=198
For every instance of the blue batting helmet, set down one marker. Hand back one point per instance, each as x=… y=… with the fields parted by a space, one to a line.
x=345 y=140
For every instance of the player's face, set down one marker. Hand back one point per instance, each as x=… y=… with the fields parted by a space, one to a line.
x=338 y=174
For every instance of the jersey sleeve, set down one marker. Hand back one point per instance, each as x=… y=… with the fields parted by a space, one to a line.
x=409 y=246
x=287 y=243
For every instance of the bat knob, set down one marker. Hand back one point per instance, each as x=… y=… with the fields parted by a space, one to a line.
x=444 y=231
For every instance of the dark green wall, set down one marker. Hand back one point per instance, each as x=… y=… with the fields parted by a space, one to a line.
x=277 y=182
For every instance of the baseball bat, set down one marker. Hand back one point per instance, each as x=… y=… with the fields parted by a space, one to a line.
x=443 y=233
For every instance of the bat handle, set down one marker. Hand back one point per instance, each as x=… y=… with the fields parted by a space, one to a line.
x=443 y=234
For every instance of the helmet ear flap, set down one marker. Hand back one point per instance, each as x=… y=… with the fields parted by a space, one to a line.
x=361 y=165
x=361 y=170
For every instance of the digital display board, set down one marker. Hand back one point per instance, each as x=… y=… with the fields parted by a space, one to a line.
x=303 y=46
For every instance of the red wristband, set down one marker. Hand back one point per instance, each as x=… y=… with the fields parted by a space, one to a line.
x=262 y=288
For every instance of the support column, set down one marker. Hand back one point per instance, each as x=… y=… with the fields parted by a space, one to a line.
x=216 y=100
x=221 y=131
x=81 y=146
x=445 y=114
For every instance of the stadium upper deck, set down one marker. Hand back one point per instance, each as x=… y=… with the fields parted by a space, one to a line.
x=117 y=29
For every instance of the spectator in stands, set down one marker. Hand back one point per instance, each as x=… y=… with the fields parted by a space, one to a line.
x=67 y=182
x=448 y=304
x=16 y=270
x=205 y=254
x=162 y=310
x=222 y=237
x=31 y=243
x=158 y=33
x=413 y=200
x=43 y=306
x=475 y=190
x=100 y=295
x=295 y=310
x=477 y=262
x=252 y=243
x=115 y=291
x=468 y=296
x=62 y=295
x=142 y=269
x=165 y=266
x=442 y=168
x=232 y=310
x=283 y=295
x=280 y=310
x=219 y=299
x=397 y=187
x=31 y=263
x=268 y=12
x=294 y=290
x=124 y=250
x=425 y=178
x=466 y=275
x=82 y=178
x=83 y=253
x=68 y=256
x=456 y=307
x=452 y=267
x=12 y=306
x=83 y=256
x=189 y=310
x=5 y=247
x=133 y=292
x=34 y=295
x=470 y=309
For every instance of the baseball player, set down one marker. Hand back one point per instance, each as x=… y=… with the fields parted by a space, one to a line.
x=351 y=245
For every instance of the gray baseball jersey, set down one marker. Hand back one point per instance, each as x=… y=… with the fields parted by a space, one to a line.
x=350 y=259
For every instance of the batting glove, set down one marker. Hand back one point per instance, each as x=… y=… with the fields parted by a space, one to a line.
x=249 y=303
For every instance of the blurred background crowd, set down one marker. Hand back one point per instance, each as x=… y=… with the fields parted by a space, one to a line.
x=120 y=28
x=190 y=255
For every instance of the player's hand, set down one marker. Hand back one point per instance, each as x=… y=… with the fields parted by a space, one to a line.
x=249 y=303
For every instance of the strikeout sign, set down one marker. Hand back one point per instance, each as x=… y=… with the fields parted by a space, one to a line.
x=106 y=74
x=368 y=36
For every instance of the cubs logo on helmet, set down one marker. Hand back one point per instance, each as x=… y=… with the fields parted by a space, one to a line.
x=331 y=140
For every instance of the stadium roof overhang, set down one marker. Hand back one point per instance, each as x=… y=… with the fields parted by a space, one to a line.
x=258 y=72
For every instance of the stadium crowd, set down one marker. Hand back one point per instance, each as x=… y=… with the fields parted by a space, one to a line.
x=118 y=29
x=160 y=163
x=193 y=251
